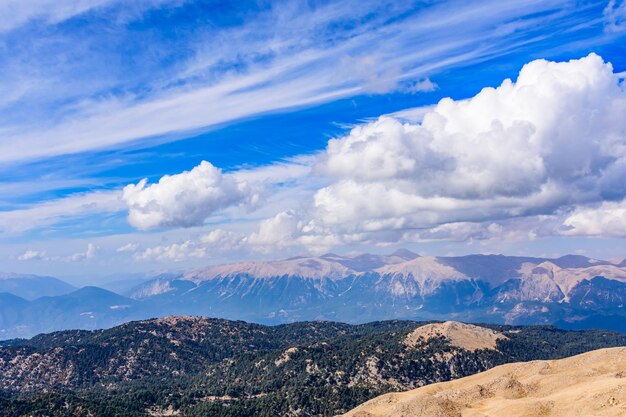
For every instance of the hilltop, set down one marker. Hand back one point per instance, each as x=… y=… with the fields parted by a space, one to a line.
x=590 y=384
x=465 y=336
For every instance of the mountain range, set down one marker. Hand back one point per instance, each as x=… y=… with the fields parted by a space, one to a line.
x=571 y=291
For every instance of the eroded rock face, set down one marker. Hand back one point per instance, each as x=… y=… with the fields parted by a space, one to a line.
x=587 y=384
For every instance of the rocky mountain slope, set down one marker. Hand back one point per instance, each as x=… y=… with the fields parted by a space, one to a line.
x=194 y=366
x=571 y=291
x=590 y=384
x=489 y=288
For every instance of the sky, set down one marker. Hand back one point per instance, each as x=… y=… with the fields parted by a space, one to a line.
x=166 y=135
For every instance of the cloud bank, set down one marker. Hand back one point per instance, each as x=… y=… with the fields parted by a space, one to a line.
x=542 y=155
x=555 y=138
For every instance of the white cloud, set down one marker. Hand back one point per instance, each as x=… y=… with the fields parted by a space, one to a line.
x=185 y=199
x=422 y=86
x=189 y=198
x=223 y=239
x=50 y=212
x=607 y=219
x=175 y=252
x=208 y=245
x=42 y=255
x=290 y=44
x=276 y=232
x=542 y=156
x=555 y=138
x=615 y=16
x=88 y=254
x=524 y=160
x=14 y=13
x=129 y=247
x=31 y=254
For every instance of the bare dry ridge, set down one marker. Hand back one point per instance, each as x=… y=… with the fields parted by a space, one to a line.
x=466 y=336
x=591 y=384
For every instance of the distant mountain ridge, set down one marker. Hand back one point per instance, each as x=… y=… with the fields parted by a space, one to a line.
x=33 y=286
x=491 y=288
x=573 y=291
x=328 y=266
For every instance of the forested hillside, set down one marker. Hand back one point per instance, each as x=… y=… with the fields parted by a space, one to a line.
x=192 y=366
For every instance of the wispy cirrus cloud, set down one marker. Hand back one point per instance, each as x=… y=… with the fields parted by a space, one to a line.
x=615 y=16
x=288 y=57
x=15 y=13
x=74 y=207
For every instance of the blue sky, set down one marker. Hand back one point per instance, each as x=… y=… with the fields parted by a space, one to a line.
x=97 y=95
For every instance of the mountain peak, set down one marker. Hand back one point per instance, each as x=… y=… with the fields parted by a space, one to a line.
x=423 y=267
x=405 y=254
x=331 y=255
x=30 y=286
x=574 y=261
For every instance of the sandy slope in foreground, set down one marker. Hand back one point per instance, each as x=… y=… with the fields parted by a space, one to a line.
x=591 y=384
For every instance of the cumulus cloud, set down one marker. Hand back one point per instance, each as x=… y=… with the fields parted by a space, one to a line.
x=89 y=253
x=185 y=199
x=223 y=239
x=279 y=230
x=554 y=138
x=42 y=255
x=175 y=252
x=217 y=241
x=31 y=254
x=607 y=219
